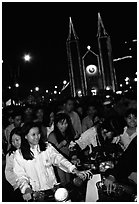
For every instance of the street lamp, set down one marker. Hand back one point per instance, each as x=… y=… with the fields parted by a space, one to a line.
x=27 y=57
x=16 y=85
x=36 y=88
x=64 y=82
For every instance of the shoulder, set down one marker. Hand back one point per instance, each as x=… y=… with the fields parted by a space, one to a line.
x=85 y=119
x=52 y=136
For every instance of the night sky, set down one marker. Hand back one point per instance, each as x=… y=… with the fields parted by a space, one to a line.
x=41 y=28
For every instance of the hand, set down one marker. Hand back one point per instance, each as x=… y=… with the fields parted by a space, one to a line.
x=109 y=183
x=27 y=196
x=64 y=142
x=80 y=174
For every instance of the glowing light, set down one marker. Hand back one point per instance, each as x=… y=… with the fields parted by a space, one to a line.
x=16 y=85
x=135 y=79
x=55 y=87
x=121 y=85
x=108 y=88
x=9 y=87
x=55 y=92
x=127 y=79
x=121 y=58
x=64 y=82
x=136 y=73
x=118 y=92
x=37 y=88
x=27 y=57
x=125 y=42
x=59 y=92
x=130 y=87
x=135 y=40
x=79 y=93
x=107 y=96
x=127 y=82
x=46 y=91
x=88 y=47
x=91 y=69
x=130 y=48
x=31 y=90
x=94 y=91
x=61 y=194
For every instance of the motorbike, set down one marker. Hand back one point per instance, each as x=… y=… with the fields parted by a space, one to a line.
x=71 y=192
x=121 y=192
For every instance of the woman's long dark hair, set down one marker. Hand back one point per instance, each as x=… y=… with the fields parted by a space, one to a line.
x=69 y=132
x=16 y=131
x=25 y=147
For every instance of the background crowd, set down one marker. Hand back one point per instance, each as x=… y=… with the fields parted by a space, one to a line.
x=81 y=130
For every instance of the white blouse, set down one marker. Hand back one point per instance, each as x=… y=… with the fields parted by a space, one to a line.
x=124 y=139
x=39 y=173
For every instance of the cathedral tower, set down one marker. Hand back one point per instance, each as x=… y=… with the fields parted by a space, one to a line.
x=74 y=61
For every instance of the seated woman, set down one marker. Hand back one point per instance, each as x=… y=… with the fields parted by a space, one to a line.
x=33 y=163
x=15 y=142
x=60 y=138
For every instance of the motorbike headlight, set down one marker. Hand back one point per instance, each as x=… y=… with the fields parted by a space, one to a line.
x=61 y=194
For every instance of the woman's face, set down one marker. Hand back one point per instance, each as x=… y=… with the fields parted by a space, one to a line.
x=131 y=120
x=16 y=141
x=33 y=136
x=62 y=125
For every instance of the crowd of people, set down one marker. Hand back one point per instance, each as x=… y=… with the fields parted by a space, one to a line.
x=43 y=145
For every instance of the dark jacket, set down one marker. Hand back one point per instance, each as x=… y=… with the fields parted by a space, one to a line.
x=127 y=163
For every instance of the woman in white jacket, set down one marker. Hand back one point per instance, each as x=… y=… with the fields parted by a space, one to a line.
x=33 y=163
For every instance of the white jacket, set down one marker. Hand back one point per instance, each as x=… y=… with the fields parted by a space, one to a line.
x=39 y=173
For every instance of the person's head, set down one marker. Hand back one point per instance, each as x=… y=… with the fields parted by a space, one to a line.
x=97 y=119
x=131 y=117
x=15 y=139
x=39 y=113
x=79 y=110
x=28 y=110
x=69 y=105
x=17 y=118
x=28 y=113
x=91 y=110
x=31 y=137
x=62 y=125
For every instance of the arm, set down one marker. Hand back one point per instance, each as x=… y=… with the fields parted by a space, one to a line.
x=9 y=173
x=87 y=138
x=60 y=161
x=22 y=178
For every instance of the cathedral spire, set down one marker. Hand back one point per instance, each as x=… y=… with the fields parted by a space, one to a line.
x=101 y=28
x=72 y=33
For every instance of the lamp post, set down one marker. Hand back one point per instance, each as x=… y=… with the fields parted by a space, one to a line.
x=16 y=76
